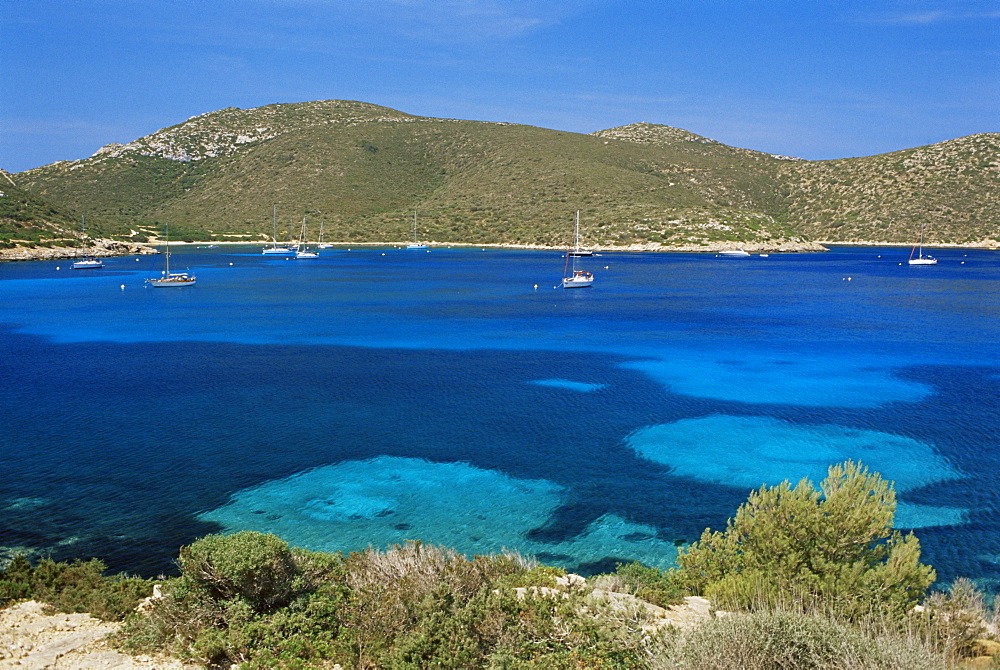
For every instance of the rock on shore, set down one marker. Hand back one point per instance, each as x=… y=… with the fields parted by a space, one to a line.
x=101 y=248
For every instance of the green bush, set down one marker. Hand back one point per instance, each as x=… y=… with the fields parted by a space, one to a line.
x=253 y=566
x=80 y=586
x=832 y=549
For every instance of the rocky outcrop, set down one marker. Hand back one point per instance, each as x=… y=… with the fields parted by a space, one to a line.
x=32 y=638
x=100 y=247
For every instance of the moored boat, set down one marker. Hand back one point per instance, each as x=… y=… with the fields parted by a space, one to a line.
x=170 y=279
x=274 y=249
x=414 y=244
x=573 y=278
x=920 y=259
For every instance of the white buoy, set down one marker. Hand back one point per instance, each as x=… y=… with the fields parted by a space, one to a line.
x=536 y=287
x=123 y=287
x=230 y=264
x=57 y=267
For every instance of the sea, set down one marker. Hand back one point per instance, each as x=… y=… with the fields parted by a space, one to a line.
x=457 y=396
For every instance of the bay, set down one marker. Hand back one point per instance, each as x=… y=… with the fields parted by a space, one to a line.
x=455 y=396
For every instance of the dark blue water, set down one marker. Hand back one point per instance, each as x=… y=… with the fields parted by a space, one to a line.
x=377 y=395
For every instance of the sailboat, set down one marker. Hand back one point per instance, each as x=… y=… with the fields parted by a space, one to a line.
x=87 y=262
x=322 y=244
x=414 y=244
x=921 y=259
x=170 y=279
x=576 y=278
x=275 y=250
x=303 y=246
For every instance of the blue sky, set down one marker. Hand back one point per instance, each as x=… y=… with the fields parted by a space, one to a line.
x=816 y=79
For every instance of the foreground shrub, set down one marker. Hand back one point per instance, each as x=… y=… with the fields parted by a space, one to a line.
x=956 y=618
x=792 y=641
x=80 y=586
x=832 y=549
x=253 y=566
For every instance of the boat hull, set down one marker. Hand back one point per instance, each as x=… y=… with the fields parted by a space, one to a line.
x=88 y=265
x=922 y=261
x=277 y=251
x=172 y=281
x=579 y=280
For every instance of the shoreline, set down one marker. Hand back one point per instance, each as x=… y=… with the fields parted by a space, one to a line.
x=105 y=248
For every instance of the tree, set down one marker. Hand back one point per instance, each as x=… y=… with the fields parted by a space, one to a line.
x=832 y=548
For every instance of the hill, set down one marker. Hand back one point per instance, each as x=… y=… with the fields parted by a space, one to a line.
x=363 y=170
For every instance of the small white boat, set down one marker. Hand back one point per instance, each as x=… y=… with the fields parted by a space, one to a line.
x=920 y=259
x=733 y=253
x=87 y=262
x=573 y=278
x=274 y=249
x=579 y=279
x=170 y=279
x=414 y=244
x=302 y=248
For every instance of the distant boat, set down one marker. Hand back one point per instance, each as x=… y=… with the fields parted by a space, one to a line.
x=573 y=278
x=170 y=279
x=90 y=262
x=275 y=250
x=303 y=246
x=920 y=258
x=733 y=253
x=322 y=244
x=414 y=244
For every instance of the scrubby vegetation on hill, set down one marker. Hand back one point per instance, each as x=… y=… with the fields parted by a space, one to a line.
x=812 y=579
x=365 y=169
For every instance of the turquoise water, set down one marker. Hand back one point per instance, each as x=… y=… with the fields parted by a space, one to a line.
x=454 y=396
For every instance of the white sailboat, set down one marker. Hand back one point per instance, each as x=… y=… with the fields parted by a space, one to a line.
x=920 y=259
x=90 y=262
x=573 y=278
x=170 y=279
x=303 y=247
x=274 y=249
x=322 y=244
x=414 y=244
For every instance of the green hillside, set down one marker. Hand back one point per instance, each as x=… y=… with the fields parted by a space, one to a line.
x=363 y=170
x=29 y=220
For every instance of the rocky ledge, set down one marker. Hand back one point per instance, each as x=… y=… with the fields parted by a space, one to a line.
x=99 y=247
